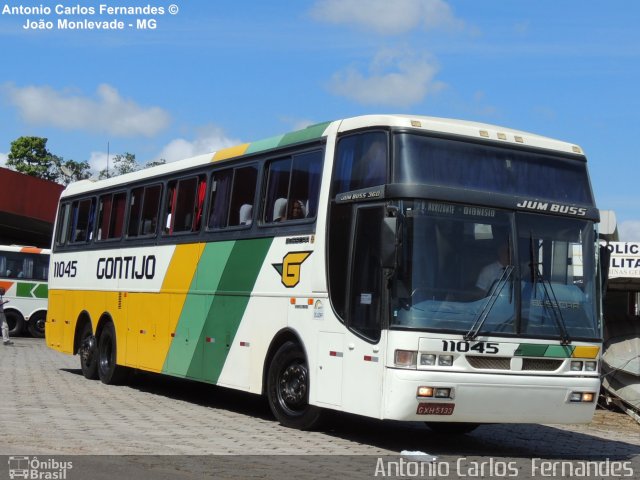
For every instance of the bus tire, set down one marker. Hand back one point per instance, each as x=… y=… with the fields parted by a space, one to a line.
x=88 y=353
x=288 y=389
x=36 y=324
x=452 y=428
x=16 y=323
x=108 y=371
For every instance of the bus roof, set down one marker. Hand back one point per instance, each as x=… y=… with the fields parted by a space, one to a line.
x=480 y=131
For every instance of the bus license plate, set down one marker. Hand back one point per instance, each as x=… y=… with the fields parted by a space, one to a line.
x=435 y=408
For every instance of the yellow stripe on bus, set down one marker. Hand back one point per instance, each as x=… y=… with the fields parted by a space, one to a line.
x=230 y=152
x=585 y=352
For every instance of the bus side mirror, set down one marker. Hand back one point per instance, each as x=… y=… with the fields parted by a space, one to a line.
x=389 y=242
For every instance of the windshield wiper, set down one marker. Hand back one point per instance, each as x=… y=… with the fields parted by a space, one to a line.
x=536 y=276
x=491 y=301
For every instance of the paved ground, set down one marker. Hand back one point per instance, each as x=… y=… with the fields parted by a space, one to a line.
x=48 y=408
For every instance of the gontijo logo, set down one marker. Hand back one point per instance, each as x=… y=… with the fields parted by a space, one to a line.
x=290 y=268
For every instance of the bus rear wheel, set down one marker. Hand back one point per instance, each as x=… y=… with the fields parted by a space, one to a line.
x=36 y=324
x=15 y=322
x=288 y=389
x=88 y=353
x=108 y=371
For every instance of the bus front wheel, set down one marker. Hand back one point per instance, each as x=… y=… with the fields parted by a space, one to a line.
x=108 y=371
x=288 y=388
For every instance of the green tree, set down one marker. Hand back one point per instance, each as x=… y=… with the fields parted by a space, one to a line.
x=29 y=155
x=155 y=163
x=122 y=163
x=71 y=171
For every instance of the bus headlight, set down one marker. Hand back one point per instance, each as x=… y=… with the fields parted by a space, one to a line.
x=405 y=358
x=427 y=359
x=443 y=393
x=591 y=366
x=576 y=366
x=445 y=360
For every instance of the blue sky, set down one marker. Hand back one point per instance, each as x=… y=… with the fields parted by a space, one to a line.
x=218 y=73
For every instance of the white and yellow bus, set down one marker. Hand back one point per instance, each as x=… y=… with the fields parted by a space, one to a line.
x=398 y=267
x=23 y=275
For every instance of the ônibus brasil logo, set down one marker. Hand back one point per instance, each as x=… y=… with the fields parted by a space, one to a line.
x=34 y=468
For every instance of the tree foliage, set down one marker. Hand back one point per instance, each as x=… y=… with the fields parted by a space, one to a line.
x=29 y=155
x=126 y=163
x=122 y=163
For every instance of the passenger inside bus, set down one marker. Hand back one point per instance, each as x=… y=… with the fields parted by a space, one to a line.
x=491 y=272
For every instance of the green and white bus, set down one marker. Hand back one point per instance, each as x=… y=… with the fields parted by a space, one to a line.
x=397 y=267
x=23 y=275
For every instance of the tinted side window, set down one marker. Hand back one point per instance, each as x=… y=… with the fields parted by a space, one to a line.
x=185 y=201
x=111 y=210
x=293 y=186
x=143 y=212
x=361 y=162
x=83 y=217
x=63 y=224
x=243 y=196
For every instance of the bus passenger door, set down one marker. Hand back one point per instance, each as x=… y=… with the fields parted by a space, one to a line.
x=364 y=359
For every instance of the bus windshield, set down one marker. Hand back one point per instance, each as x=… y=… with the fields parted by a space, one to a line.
x=477 y=270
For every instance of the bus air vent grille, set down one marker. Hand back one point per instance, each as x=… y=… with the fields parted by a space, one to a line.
x=541 y=364
x=489 y=363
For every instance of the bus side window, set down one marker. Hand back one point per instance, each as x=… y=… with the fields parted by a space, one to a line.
x=293 y=187
x=184 y=209
x=135 y=207
x=221 y=183
x=63 y=224
x=83 y=220
x=243 y=195
x=111 y=210
x=305 y=185
x=150 y=209
x=277 y=190
x=361 y=162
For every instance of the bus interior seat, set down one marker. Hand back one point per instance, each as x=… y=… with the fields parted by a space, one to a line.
x=246 y=212
x=279 y=209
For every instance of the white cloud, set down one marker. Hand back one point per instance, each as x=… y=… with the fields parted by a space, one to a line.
x=3 y=159
x=629 y=231
x=388 y=17
x=98 y=161
x=396 y=79
x=106 y=112
x=209 y=139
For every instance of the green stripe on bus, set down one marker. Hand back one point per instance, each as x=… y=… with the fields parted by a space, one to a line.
x=265 y=144
x=214 y=307
x=536 y=350
x=228 y=307
x=32 y=290
x=309 y=133
x=189 y=328
x=559 y=351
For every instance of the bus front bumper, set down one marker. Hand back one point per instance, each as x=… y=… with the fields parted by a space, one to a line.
x=488 y=398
